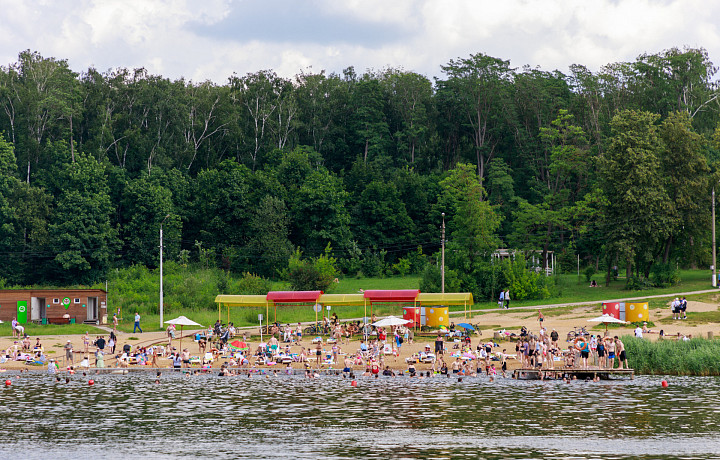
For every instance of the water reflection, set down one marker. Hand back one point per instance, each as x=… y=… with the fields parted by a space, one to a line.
x=263 y=417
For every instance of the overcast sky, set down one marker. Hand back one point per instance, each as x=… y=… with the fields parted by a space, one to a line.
x=211 y=39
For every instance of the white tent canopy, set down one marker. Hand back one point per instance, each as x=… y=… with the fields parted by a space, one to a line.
x=391 y=321
x=182 y=321
x=606 y=319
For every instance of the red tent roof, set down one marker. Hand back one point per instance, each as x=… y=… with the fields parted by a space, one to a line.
x=294 y=296
x=399 y=295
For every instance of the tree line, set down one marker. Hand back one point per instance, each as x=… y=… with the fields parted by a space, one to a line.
x=614 y=167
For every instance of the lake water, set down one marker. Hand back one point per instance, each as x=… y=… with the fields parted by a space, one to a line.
x=284 y=416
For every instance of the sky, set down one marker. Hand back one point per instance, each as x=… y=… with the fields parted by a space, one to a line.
x=214 y=39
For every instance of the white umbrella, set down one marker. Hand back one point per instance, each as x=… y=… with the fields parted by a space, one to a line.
x=390 y=321
x=606 y=319
x=182 y=321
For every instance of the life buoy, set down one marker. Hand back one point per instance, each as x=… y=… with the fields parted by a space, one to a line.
x=575 y=343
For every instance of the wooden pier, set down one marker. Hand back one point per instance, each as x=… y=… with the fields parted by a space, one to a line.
x=570 y=373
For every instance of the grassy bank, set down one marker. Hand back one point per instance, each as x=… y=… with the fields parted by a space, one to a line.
x=672 y=357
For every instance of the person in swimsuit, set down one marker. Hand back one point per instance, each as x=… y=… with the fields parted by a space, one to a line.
x=622 y=357
x=439 y=346
x=610 y=345
x=541 y=318
x=318 y=354
x=601 y=353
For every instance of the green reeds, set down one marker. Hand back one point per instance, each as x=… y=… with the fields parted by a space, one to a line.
x=673 y=357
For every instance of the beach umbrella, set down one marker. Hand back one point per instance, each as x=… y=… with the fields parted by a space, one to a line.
x=182 y=321
x=606 y=319
x=391 y=321
x=466 y=326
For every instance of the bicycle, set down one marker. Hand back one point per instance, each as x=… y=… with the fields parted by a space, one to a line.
x=577 y=332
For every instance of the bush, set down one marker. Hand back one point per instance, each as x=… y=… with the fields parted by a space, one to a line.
x=523 y=283
x=315 y=274
x=637 y=283
x=402 y=267
x=664 y=275
x=373 y=264
x=251 y=284
x=692 y=357
x=589 y=272
x=432 y=277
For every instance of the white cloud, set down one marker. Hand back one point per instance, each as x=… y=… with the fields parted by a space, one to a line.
x=208 y=40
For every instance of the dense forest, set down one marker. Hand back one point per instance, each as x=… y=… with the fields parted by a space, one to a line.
x=615 y=167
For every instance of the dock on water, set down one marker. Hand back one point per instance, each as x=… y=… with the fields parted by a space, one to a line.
x=579 y=374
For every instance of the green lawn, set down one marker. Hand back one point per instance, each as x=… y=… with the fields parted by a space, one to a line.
x=569 y=290
x=33 y=330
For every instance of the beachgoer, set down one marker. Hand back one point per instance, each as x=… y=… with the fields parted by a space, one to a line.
x=501 y=300
x=185 y=358
x=554 y=337
x=507 y=298
x=610 y=346
x=318 y=354
x=137 y=323
x=439 y=345
x=115 y=322
x=622 y=357
x=100 y=343
x=639 y=332
x=68 y=352
x=541 y=318
x=298 y=332
x=683 y=307
x=601 y=353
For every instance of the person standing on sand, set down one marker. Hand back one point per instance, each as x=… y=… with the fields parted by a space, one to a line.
x=137 y=323
x=115 y=322
x=541 y=318
x=68 y=352
x=439 y=345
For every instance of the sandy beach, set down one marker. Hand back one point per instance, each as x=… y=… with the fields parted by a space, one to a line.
x=563 y=320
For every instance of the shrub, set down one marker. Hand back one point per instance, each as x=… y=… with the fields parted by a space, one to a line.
x=664 y=275
x=589 y=272
x=523 y=283
x=402 y=267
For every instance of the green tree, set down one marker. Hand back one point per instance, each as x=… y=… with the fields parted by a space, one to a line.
x=686 y=174
x=269 y=245
x=480 y=86
x=637 y=210
x=82 y=236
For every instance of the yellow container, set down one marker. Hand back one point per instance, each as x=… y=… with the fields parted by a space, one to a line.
x=437 y=316
x=635 y=312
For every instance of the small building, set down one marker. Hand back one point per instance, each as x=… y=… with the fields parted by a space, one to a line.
x=54 y=306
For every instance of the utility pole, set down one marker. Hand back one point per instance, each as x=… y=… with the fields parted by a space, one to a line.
x=714 y=264
x=161 y=271
x=442 y=263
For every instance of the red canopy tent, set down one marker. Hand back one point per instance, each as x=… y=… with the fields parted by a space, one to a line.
x=292 y=297
x=391 y=296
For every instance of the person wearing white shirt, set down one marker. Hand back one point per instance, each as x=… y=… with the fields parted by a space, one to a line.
x=638 y=332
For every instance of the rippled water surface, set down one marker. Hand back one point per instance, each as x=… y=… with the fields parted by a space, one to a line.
x=283 y=416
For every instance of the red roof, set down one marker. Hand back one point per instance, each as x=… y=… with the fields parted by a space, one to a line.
x=399 y=295
x=294 y=296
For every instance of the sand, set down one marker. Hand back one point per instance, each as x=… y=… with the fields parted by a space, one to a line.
x=488 y=322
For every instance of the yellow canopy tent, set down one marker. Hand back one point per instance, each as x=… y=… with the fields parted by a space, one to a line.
x=247 y=301
x=449 y=298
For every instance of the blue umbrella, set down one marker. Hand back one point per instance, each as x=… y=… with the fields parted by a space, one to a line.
x=466 y=326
